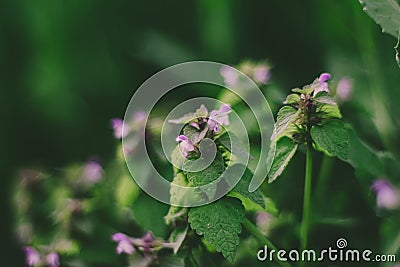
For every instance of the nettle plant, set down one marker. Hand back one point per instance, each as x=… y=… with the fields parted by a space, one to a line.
x=219 y=222
x=309 y=117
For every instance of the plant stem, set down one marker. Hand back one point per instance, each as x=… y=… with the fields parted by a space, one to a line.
x=307 y=196
x=253 y=230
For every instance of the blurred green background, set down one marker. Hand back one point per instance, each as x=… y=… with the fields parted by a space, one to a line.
x=68 y=67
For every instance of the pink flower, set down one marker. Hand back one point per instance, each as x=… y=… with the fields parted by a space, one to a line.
x=230 y=75
x=124 y=244
x=32 y=256
x=53 y=260
x=261 y=74
x=185 y=145
x=263 y=221
x=387 y=196
x=322 y=84
x=92 y=172
x=219 y=117
x=344 y=88
x=118 y=124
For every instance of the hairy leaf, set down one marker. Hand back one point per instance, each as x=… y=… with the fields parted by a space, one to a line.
x=386 y=13
x=327 y=106
x=242 y=187
x=292 y=99
x=179 y=196
x=285 y=122
x=332 y=138
x=211 y=173
x=284 y=151
x=220 y=223
x=324 y=98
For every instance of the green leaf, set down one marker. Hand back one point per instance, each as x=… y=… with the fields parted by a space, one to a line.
x=250 y=206
x=242 y=187
x=332 y=138
x=284 y=125
x=284 y=151
x=327 y=106
x=211 y=173
x=194 y=135
x=308 y=89
x=200 y=113
x=299 y=91
x=220 y=223
x=179 y=196
x=325 y=98
x=292 y=99
x=386 y=13
x=328 y=111
x=237 y=145
x=363 y=159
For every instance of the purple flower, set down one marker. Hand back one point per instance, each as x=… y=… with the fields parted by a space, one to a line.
x=261 y=74
x=32 y=256
x=263 y=221
x=185 y=145
x=118 y=125
x=219 y=117
x=322 y=84
x=344 y=88
x=92 y=172
x=117 y=237
x=124 y=244
x=53 y=260
x=230 y=75
x=387 y=196
x=324 y=77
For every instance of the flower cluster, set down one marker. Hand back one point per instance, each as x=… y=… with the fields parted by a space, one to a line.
x=132 y=130
x=146 y=244
x=200 y=124
x=259 y=72
x=34 y=258
x=306 y=108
